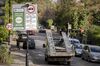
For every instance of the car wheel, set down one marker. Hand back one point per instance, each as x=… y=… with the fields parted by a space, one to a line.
x=24 y=45
x=68 y=62
x=45 y=58
x=82 y=57
x=89 y=59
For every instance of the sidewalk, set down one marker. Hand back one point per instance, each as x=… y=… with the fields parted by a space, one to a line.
x=19 y=58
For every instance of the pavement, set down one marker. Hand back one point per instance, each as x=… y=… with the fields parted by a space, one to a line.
x=19 y=56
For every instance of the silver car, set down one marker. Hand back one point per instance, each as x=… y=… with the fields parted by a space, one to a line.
x=91 y=53
x=78 y=49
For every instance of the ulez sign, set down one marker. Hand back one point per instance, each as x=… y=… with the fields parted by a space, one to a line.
x=24 y=18
x=31 y=17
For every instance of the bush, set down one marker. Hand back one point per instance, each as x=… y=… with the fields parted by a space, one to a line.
x=3 y=34
x=5 y=57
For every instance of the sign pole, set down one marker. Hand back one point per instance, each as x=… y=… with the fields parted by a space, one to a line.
x=9 y=27
x=9 y=42
x=27 y=62
x=9 y=38
x=25 y=18
x=9 y=30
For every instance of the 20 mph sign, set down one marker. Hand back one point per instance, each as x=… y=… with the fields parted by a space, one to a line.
x=9 y=26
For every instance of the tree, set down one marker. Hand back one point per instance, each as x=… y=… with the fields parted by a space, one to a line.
x=50 y=22
x=63 y=14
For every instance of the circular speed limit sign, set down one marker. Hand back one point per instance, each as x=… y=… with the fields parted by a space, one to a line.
x=9 y=26
x=31 y=9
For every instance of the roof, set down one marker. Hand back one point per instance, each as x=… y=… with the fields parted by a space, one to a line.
x=92 y=46
x=74 y=39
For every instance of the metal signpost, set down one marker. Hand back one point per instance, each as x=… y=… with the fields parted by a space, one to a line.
x=9 y=27
x=30 y=22
x=25 y=18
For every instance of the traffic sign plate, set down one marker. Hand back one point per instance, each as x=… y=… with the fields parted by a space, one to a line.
x=31 y=9
x=9 y=26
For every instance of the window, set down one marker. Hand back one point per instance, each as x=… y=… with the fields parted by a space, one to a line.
x=95 y=49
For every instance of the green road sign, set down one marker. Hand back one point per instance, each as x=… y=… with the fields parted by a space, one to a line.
x=24 y=18
x=18 y=18
x=18 y=23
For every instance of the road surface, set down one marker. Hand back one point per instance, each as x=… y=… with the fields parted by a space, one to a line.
x=37 y=56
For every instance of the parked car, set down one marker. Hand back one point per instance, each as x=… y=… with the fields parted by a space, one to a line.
x=22 y=37
x=91 y=53
x=77 y=45
x=74 y=41
x=31 y=44
x=42 y=31
x=31 y=32
x=78 y=49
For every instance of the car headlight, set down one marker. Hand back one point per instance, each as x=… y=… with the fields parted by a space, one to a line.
x=94 y=57
x=78 y=51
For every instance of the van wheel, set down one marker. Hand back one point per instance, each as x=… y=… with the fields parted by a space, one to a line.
x=68 y=63
x=48 y=61
x=82 y=57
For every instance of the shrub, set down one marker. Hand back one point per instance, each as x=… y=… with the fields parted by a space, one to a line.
x=5 y=57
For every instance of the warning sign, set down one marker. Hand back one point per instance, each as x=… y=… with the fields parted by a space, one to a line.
x=9 y=26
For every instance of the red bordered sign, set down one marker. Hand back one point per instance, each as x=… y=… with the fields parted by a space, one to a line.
x=9 y=26
x=31 y=9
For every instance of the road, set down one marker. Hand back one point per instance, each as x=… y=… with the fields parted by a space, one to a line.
x=37 y=55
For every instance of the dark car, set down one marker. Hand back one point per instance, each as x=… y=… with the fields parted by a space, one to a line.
x=22 y=37
x=42 y=31
x=91 y=53
x=31 y=44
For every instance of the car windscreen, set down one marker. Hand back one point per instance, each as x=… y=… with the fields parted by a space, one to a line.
x=95 y=49
x=59 y=43
x=78 y=46
x=74 y=42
